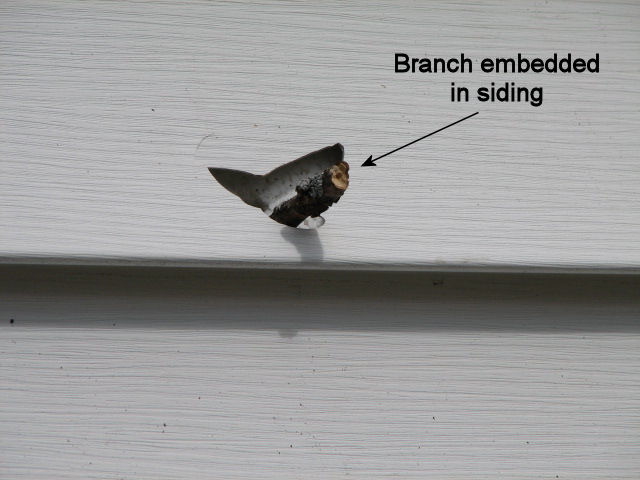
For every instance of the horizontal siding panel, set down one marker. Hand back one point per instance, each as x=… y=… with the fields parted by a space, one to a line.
x=163 y=374
x=104 y=104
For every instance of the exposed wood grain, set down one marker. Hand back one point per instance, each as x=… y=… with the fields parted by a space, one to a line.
x=103 y=105
x=157 y=374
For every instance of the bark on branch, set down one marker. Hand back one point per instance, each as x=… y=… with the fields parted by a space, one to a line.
x=314 y=196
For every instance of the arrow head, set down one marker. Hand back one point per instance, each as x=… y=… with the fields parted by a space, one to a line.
x=368 y=162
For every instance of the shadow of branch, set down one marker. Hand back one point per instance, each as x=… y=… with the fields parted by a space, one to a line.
x=307 y=243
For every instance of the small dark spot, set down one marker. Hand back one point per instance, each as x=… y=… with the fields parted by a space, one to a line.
x=153 y=109
x=290 y=446
x=164 y=424
x=438 y=283
x=300 y=404
x=198 y=398
x=288 y=332
x=434 y=418
x=114 y=324
x=11 y=321
x=60 y=367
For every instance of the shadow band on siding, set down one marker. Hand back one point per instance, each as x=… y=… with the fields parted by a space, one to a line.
x=294 y=300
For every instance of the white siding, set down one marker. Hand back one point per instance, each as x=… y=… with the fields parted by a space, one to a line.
x=306 y=375
x=103 y=105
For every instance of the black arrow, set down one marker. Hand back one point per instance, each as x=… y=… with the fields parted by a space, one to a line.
x=369 y=161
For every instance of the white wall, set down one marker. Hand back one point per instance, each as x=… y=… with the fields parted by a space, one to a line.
x=300 y=375
x=104 y=103
x=311 y=372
